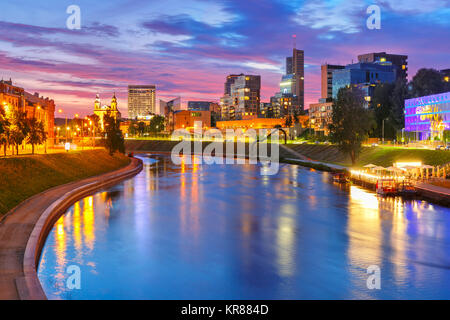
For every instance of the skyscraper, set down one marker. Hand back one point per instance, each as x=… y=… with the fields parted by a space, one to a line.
x=298 y=70
x=327 y=79
x=291 y=97
x=289 y=65
x=141 y=101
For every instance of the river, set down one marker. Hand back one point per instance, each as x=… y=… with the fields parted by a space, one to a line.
x=226 y=232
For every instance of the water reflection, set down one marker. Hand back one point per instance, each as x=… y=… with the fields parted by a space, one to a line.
x=225 y=232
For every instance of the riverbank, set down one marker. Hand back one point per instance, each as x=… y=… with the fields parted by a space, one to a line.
x=24 y=176
x=329 y=158
x=381 y=156
x=24 y=230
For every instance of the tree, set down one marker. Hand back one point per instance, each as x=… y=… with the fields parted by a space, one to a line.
x=95 y=120
x=428 y=82
x=19 y=129
x=288 y=121
x=114 y=139
x=157 y=124
x=382 y=107
x=295 y=115
x=351 y=122
x=141 y=128
x=36 y=133
x=4 y=130
x=398 y=97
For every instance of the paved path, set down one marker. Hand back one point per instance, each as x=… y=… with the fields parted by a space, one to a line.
x=433 y=188
x=17 y=227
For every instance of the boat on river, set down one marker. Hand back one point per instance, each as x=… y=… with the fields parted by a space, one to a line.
x=386 y=187
x=340 y=178
x=406 y=188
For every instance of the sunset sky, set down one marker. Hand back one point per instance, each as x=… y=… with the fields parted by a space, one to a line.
x=188 y=47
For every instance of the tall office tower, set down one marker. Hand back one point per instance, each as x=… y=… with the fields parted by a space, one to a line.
x=298 y=70
x=400 y=62
x=245 y=94
x=327 y=79
x=141 y=101
x=292 y=86
x=289 y=65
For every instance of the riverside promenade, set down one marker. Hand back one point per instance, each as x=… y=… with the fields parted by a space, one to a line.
x=438 y=194
x=23 y=231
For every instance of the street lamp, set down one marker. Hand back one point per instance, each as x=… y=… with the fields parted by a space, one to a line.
x=383 y=128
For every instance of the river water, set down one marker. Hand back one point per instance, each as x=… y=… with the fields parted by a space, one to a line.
x=226 y=232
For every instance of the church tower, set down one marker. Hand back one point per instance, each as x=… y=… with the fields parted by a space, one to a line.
x=97 y=104
x=114 y=103
x=114 y=111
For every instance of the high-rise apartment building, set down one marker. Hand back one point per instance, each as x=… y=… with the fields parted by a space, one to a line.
x=241 y=97
x=245 y=92
x=327 y=79
x=400 y=62
x=141 y=101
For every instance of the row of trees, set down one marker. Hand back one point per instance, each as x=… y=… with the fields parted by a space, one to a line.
x=17 y=128
x=139 y=128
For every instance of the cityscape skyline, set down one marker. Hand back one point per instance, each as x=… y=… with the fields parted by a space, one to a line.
x=155 y=44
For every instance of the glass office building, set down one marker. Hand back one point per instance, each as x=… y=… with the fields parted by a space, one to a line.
x=428 y=116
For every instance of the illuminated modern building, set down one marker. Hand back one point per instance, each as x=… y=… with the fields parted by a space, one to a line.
x=427 y=117
x=241 y=97
x=327 y=79
x=292 y=88
x=365 y=76
x=141 y=101
x=168 y=108
x=15 y=98
x=102 y=110
x=400 y=62
x=320 y=116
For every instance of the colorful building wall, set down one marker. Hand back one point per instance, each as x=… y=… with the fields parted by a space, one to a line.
x=428 y=116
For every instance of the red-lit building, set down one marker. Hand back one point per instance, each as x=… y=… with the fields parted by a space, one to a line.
x=43 y=109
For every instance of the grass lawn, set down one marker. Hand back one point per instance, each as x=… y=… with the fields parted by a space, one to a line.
x=386 y=156
x=24 y=176
x=382 y=156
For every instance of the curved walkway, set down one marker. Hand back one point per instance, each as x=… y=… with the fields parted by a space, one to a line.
x=24 y=230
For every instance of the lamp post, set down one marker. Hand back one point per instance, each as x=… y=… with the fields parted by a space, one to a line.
x=383 y=128
x=61 y=111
